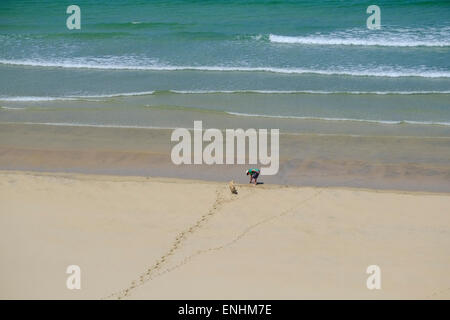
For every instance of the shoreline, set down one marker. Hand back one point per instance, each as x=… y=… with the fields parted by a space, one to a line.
x=288 y=133
x=390 y=163
x=139 y=178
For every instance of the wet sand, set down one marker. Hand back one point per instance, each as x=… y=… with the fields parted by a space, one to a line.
x=379 y=162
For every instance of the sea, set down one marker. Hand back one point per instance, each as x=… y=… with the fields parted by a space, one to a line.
x=301 y=66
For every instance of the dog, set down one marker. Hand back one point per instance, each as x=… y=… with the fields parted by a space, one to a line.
x=232 y=187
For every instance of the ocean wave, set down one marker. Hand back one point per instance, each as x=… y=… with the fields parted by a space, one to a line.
x=305 y=92
x=13 y=108
x=389 y=36
x=71 y=97
x=394 y=122
x=385 y=42
x=162 y=92
x=380 y=122
x=76 y=124
x=369 y=72
x=34 y=99
x=114 y=95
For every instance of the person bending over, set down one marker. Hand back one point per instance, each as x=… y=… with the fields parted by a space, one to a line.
x=254 y=173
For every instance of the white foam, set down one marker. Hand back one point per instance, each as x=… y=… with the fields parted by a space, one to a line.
x=368 y=72
x=341 y=119
x=33 y=99
x=71 y=97
x=114 y=95
x=359 y=39
x=72 y=124
x=143 y=93
x=13 y=108
x=309 y=92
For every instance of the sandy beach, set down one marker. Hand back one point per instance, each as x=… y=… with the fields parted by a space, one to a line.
x=150 y=238
x=110 y=201
x=125 y=125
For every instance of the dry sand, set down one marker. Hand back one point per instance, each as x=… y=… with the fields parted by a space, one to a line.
x=154 y=238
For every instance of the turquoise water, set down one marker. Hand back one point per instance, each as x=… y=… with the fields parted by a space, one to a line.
x=304 y=60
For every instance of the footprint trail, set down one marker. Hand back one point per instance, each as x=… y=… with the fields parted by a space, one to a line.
x=179 y=239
